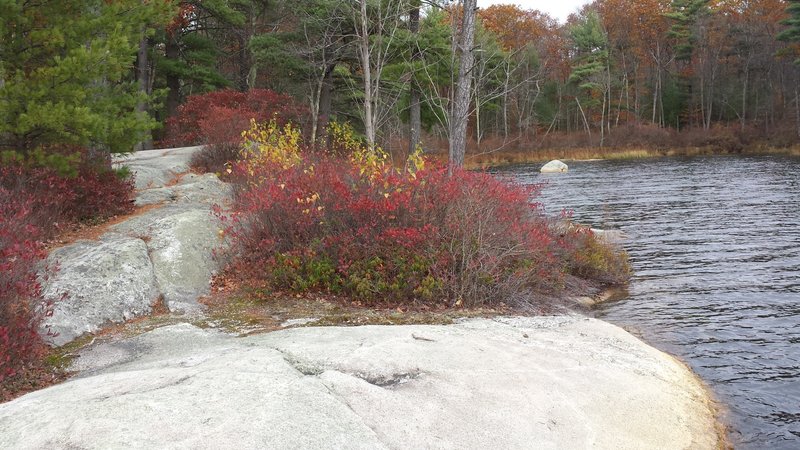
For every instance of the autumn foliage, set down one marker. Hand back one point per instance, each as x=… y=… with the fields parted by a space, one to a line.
x=40 y=196
x=220 y=117
x=355 y=224
x=20 y=251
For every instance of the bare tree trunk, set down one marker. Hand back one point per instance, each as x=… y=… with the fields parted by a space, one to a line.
x=172 y=52
x=320 y=102
x=415 y=116
x=656 y=94
x=585 y=122
x=602 y=122
x=744 y=94
x=244 y=63
x=366 y=65
x=478 y=74
x=505 y=102
x=313 y=103
x=142 y=78
x=657 y=88
x=325 y=97
x=460 y=111
x=622 y=90
x=557 y=114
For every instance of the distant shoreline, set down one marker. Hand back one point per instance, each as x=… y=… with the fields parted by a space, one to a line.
x=502 y=158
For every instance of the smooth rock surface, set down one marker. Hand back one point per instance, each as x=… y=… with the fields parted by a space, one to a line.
x=154 y=196
x=206 y=189
x=181 y=250
x=546 y=382
x=92 y=283
x=203 y=189
x=163 y=254
x=156 y=168
x=554 y=166
x=181 y=241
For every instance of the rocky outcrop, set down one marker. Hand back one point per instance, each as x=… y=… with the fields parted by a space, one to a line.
x=164 y=254
x=206 y=189
x=181 y=243
x=155 y=168
x=91 y=283
x=613 y=237
x=546 y=382
x=554 y=166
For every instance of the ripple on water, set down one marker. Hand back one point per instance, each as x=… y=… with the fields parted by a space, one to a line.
x=715 y=243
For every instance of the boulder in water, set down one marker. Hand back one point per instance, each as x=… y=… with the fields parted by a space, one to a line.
x=554 y=166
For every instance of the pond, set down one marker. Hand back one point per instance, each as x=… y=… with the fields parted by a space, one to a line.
x=715 y=245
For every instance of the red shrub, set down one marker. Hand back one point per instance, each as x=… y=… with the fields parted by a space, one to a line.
x=36 y=202
x=19 y=254
x=88 y=190
x=99 y=193
x=219 y=117
x=324 y=224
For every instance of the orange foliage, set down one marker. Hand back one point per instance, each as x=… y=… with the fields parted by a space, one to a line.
x=516 y=27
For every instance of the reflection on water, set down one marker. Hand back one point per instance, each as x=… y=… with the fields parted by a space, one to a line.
x=715 y=244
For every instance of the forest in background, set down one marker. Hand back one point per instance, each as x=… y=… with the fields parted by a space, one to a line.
x=618 y=72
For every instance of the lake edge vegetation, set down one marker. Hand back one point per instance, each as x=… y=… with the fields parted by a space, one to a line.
x=345 y=220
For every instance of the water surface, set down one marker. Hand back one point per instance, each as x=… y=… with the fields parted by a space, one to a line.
x=715 y=245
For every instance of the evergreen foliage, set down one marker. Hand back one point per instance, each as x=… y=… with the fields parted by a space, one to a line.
x=685 y=14
x=65 y=67
x=792 y=33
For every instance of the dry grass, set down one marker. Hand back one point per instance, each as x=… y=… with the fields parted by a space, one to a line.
x=246 y=307
x=766 y=150
x=501 y=158
x=625 y=142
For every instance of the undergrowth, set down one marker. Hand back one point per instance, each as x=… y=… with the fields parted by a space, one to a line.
x=217 y=119
x=350 y=222
x=42 y=194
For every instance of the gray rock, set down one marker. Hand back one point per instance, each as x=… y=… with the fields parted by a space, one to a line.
x=156 y=168
x=181 y=249
x=554 y=166
x=166 y=252
x=613 y=237
x=154 y=196
x=204 y=189
x=547 y=382
x=299 y=322
x=181 y=241
x=110 y=280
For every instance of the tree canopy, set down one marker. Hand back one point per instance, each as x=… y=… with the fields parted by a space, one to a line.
x=101 y=74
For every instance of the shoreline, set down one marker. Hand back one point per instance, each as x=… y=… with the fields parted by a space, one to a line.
x=97 y=347
x=504 y=158
x=616 y=293
x=721 y=427
x=604 y=387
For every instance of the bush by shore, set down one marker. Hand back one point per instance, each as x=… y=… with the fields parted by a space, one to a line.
x=348 y=221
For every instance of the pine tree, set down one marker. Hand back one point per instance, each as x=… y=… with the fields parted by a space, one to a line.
x=66 y=72
x=792 y=33
x=684 y=15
